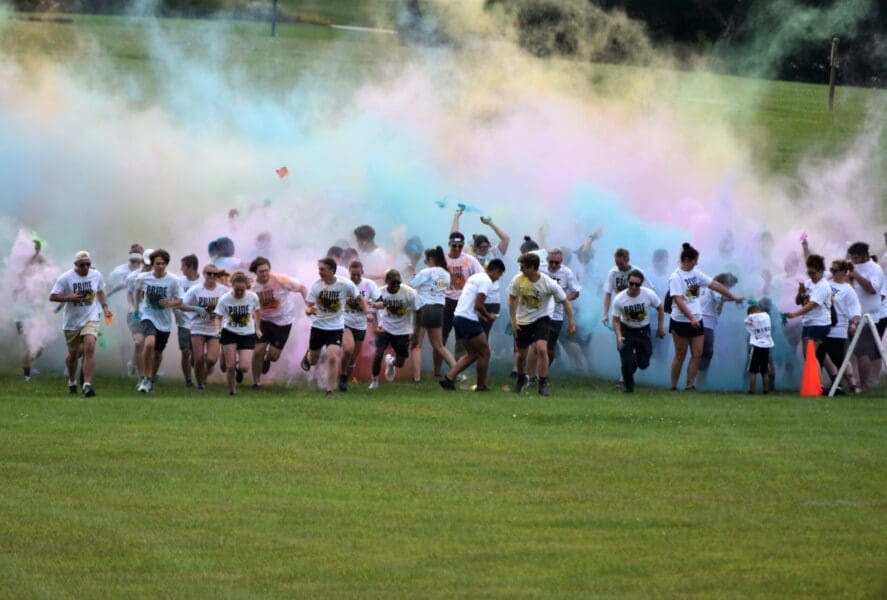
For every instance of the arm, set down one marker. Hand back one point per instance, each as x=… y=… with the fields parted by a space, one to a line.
x=481 y=310
x=724 y=291
x=103 y=300
x=802 y=293
x=802 y=311
x=512 y=312
x=257 y=316
x=617 y=329
x=65 y=297
x=504 y=240
x=660 y=331
x=568 y=311
x=607 y=298
x=310 y=308
x=864 y=283
x=455 y=226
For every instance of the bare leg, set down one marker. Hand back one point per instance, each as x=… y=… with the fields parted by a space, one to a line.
x=681 y=344
x=696 y=345
x=230 y=353
x=334 y=358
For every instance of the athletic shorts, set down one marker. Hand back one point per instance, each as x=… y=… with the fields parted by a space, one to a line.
x=834 y=348
x=161 y=338
x=684 y=329
x=359 y=335
x=817 y=333
x=467 y=329
x=74 y=337
x=759 y=361
x=276 y=335
x=184 y=338
x=431 y=316
x=399 y=343
x=554 y=332
x=448 y=315
x=324 y=337
x=867 y=345
x=535 y=331
x=135 y=326
x=708 y=346
x=243 y=342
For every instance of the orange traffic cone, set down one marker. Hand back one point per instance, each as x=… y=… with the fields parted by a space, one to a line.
x=811 y=383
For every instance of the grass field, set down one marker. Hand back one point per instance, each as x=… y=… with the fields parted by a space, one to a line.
x=412 y=492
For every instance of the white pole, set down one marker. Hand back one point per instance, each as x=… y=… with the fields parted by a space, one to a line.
x=866 y=321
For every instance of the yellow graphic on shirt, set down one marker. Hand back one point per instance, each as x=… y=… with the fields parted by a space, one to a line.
x=635 y=312
x=526 y=293
x=353 y=305
x=239 y=316
x=329 y=301
x=692 y=287
x=396 y=307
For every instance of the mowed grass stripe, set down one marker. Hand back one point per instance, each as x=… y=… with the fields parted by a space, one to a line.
x=413 y=492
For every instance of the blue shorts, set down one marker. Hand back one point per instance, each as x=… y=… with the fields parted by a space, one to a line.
x=466 y=328
x=815 y=332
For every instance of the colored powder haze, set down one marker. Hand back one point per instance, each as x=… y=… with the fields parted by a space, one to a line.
x=533 y=143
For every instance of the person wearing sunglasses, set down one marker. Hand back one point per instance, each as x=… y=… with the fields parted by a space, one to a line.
x=631 y=324
x=190 y=267
x=685 y=323
x=82 y=292
x=396 y=307
x=202 y=300
x=816 y=304
x=564 y=276
x=158 y=292
x=461 y=266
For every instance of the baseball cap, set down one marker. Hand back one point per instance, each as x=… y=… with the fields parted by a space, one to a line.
x=136 y=256
x=147 y=256
x=82 y=255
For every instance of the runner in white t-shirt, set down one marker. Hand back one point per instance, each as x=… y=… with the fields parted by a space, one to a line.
x=816 y=304
x=833 y=350
x=325 y=304
x=431 y=284
x=133 y=322
x=396 y=306
x=532 y=296
x=461 y=266
x=201 y=300
x=760 y=339
x=617 y=280
x=867 y=278
x=190 y=278
x=82 y=289
x=357 y=319
x=117 y=282
x=631 y=324
x=375 y=260
x=238 y=315
x=686 y=325
x=565 y=278
x=276 y=293
x=471 y=311
x=157 y=293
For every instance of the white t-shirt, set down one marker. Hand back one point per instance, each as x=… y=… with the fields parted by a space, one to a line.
x=375 y=263
x=184 y=318
x=130 y=283
x=493 y=296
x=658 y=283
x=687 y=284
x=711 y=303
x=568 y=282
x=237 y=314
x=276 y=298
x=397 y=316
x=460 y=270
x=820 y=293
x=206 y=299
x=535 y=300
x=78 y=314
x=431 y=284
x=617 y=281
x=846 y=307
x=635 y=312
x=355 y=318
x=870 y=303
x=118 y=275
x=329 y=299
x=479 y=283
x=759 y=331
x=155 y=289
x=884 y=298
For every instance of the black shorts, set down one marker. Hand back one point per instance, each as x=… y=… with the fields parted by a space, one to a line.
x=834 y=348
x=184 y=338
x=554 y=332
x=759 y=360
x=685 y=330
x=430 y=316
x=399 y=343
x=161 y=338
x=467 y=329
x=359 y=335
x=448 y=313
x=276 y=335
x=535 y=331
x=815 y=332
x=243 y=342
x=324 y=337
x=867 y=345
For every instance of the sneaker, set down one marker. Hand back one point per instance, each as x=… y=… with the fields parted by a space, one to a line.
x=149 y=386
x=533 y=380
x=72 y=389
x=232 y=393
x=256 y=386
x=34 y=372
x=447 y=384
x=621 y=384
x=27 y=378
x=328 y=394
x=690 y=388
x=200 y=388
x=543 y=388
x=88 y=392
x=189 y=383
x=512 y=375
x=521 y=383
x=374 y=384
x=389 y=368
x=238 y=376
x=461 y=377
x=482 y=389
x=415 y=381
x=266 y=365
x=626 y=390
x=343 y=383
x=306 y=366
x=142 y=386
x=130 y=369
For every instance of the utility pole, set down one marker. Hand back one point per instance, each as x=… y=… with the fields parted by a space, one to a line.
x=832 y=72
x=274 y=19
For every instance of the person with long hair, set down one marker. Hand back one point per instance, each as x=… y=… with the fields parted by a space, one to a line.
x=205 y=345
x=239 y=316
x=431 y=284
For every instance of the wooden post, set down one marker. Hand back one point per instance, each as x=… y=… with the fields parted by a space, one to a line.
x=833 y=67
x=274 y=20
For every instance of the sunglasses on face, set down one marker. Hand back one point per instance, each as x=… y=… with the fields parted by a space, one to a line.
x=84 y=264
x=835 y=270
x=554 y=262
x=812 y=271
x=135 y=260
x=634 y=284
x=211 y=274
x=456 y=245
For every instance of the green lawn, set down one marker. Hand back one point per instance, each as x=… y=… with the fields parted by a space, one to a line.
x=413 y=492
